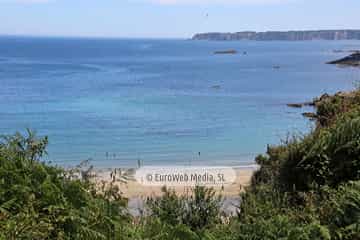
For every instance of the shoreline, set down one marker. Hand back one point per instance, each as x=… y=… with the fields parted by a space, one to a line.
x=132 y=189
x=137 y=194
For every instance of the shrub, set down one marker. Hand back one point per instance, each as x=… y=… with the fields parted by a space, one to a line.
x=38 y=201
x=199 y=210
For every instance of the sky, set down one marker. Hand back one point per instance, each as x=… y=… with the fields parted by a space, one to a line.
x=171 y=18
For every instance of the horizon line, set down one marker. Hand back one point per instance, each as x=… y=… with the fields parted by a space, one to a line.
x=91 y=37
x=161 y=37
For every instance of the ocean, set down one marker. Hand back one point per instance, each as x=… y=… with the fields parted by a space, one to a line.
x=163 y=102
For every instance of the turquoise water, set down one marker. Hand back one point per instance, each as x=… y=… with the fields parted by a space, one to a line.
x=117 y=101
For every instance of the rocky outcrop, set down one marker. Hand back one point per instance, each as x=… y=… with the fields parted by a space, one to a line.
x=347 y=97
x=310 y=115
x=295 y=105
x=300 y=105
x=351 y=60
x=284 y=36
x=230 y=51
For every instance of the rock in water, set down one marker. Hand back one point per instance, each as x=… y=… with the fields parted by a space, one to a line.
x=295 y=105
x=351 y=60
x=309 y=115
x=231 y=51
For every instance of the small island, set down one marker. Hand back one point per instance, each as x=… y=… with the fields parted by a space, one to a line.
x=230 y=51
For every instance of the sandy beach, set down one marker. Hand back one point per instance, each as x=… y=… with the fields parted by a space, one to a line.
x=137 y=193
x=133 y=189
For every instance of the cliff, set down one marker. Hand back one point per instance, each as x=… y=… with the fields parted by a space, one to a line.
x=283 y=36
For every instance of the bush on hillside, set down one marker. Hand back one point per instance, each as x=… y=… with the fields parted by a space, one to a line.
x=38 y=201
x=199 y=210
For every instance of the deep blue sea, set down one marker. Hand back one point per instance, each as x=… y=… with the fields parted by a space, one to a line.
x=116 y=101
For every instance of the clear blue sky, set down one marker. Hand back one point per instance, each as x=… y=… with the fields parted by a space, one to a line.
x=171 y=18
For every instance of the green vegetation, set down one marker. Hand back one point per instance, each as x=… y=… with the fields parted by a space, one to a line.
x=306 y=188
x=43 y=202
x=198 y=211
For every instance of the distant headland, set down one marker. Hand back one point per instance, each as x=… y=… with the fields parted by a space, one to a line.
x=281 y=35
